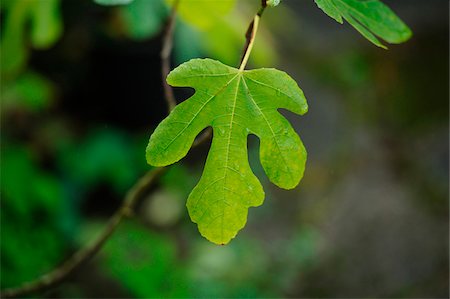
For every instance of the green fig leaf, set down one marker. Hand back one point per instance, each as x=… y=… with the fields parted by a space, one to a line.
x=235 y=103
x=371 y=18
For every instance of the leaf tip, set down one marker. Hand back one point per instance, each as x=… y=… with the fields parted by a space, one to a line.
x=304 y=108
x=218 y=241
x=405 y=36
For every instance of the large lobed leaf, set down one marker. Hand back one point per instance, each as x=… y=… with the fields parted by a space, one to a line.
x=370 y=17
x=235 y=103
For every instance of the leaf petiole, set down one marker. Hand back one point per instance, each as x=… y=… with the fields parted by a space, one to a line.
x=250 y=35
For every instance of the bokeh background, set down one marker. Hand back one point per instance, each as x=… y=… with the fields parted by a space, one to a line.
x=81 y=93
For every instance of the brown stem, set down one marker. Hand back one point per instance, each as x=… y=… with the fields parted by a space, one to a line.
x=165 y=57
x=250 y=35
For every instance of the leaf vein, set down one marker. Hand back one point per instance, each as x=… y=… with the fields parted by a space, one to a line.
x=271 y=130
x=199 y=110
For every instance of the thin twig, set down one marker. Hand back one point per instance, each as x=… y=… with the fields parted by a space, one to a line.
x=251 y=34
x=57 y=275
x=165 y=57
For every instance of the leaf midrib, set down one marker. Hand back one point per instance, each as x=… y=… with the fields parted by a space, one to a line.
x=228 y=151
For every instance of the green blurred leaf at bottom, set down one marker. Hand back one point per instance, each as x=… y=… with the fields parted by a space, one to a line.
x=145 y=263
x=28 y=251
x=32 y=241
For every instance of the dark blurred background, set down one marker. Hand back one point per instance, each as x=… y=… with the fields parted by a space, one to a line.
x=81 y=93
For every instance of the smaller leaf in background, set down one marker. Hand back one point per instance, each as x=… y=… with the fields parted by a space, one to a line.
x=203 y=13
x=328 y=7
x=145 y=263
x=113 y=2
x=144 y=18
x=371 y=18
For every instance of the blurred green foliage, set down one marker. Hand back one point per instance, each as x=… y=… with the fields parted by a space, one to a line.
x=42 y=190
x=31 y=202
x=145 y=263
x=31 y=196
x=103 y=156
